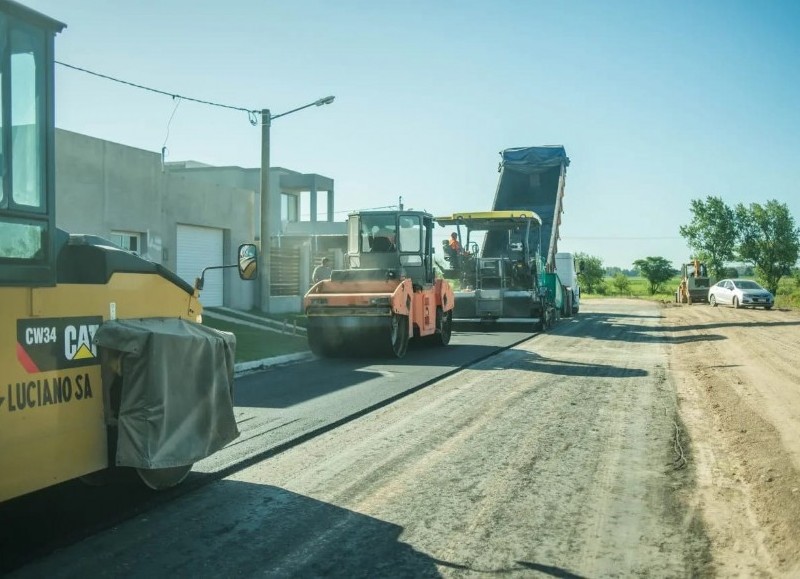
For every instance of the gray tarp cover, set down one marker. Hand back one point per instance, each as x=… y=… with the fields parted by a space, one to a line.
x=177 y=390
x=534 y=159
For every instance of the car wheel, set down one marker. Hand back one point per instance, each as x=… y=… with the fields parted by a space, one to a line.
x=735 y=302
x=768 y=307
x=713 y=301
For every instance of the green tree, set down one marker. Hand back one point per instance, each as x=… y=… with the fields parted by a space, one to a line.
x=656 y=270
x=712 y=234
x=769 y=239
x=591 y=272
x=622 y=283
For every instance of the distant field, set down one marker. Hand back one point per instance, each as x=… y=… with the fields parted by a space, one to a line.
x=788 y=291
x=638 y=289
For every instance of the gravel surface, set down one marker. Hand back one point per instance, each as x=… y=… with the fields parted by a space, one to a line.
x=563 y=456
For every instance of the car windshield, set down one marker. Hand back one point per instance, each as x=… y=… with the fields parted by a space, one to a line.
x=746 y=284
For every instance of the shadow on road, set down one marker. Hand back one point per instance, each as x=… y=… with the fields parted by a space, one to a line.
x=608 y=327
x=235 y=528
x=550 y=570
x=741 y=324
x=533 y=362
x=37 y=523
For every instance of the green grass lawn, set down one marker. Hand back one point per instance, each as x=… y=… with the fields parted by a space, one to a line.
x=289 y=318
x=255 y=344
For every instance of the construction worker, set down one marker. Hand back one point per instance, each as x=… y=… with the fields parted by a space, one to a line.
x=322 y=272
x=454 y=244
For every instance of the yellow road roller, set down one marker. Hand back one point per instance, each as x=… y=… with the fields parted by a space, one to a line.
x=102 y=361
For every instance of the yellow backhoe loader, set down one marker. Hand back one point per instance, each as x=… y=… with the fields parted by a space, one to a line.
x=694 y=284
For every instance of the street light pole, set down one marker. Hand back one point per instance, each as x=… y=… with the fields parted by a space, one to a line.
x=264 y=266
x=265 y=231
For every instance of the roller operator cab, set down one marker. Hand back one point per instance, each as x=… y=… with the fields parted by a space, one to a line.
x=102 y=361
x=387 y=294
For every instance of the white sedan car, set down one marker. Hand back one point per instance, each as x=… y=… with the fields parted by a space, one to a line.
x=740 y=293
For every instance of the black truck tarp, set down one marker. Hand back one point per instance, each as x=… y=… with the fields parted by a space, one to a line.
x=176 y=402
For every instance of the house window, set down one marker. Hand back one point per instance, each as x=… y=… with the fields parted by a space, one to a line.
x=304 y=209
x=288 y=207
x=322 y=206
x=128 y=240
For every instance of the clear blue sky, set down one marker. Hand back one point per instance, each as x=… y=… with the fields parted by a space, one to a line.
x=657 y=103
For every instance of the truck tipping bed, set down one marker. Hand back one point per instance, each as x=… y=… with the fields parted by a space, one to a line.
x=532 y=178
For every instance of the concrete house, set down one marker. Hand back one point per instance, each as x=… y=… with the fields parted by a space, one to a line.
x=187 y=216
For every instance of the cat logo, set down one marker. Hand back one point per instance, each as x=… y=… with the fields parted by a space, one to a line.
x=45 y=344
x=78 y=343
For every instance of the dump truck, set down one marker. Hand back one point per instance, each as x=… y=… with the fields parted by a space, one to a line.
x=531 y=180
x=534 y=179
x=499 y=269
x=694 y=284
x=103 y=360
x=387 y=294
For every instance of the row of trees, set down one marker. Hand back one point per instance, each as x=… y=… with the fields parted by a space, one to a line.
x=762 y=235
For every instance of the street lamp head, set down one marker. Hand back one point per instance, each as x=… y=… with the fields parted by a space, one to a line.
x=325 y=101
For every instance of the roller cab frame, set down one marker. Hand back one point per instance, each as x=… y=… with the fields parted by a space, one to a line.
x=388 y=293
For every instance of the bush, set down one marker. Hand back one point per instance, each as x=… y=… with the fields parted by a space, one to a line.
x=621 y=283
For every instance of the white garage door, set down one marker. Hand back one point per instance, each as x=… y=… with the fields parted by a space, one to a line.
x=200 y=247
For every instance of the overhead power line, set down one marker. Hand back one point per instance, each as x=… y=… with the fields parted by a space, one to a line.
x=252 y=114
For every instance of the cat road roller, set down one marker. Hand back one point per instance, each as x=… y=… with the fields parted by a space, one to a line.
x=387 y=294
x=102 y=360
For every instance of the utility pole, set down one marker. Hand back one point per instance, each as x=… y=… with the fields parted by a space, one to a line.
x=265 y=233
x=265 y=260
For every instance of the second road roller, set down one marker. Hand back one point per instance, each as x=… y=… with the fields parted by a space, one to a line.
x=387 y=294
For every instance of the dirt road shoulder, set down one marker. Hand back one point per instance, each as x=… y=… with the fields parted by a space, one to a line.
x=738 y=384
